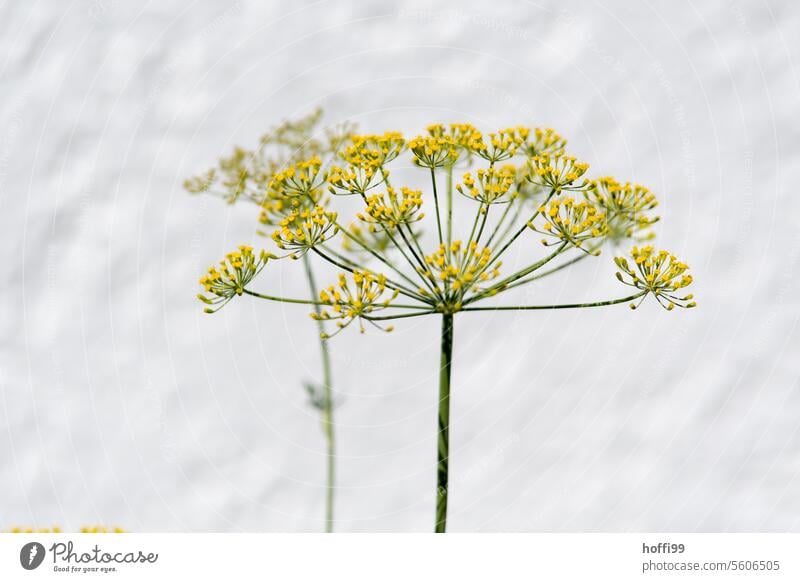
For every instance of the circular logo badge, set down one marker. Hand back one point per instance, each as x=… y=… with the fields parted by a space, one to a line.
x=31 y=555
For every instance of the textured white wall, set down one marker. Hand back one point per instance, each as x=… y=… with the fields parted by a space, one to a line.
x=123 y=404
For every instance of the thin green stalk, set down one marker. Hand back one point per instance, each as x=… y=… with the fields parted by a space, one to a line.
x=389 y=283
x=563 y=265
x=327 y=404
x=516 y=235
x=402 y=316
x=563 y=306
x=281 y=299
x=498 y=226
x=320 y=303
x=443 y=448
x=436 y=203
x=505 y=283
x=449 y=205
x=366 y=247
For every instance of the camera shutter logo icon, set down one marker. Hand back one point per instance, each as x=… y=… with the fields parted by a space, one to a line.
x=31 y=555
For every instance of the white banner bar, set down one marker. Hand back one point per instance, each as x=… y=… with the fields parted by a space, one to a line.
x=401 y=557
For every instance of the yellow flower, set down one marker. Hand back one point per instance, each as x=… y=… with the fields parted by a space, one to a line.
x=29 y=530
x=491 y=186
x=626 y=206
x=392 y=209
x=570 y=221
x=498 y=147
x=540 y=141
x=304 y=229
x=356 y=179
x=374 y=149
x=658 y=273
x=459 y=267
x=463 y=135
x=300 y=179
x=353 y=299
x=231 y=277
x=434 y=152
x=558 y=172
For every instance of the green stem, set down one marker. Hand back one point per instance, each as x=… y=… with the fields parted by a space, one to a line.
x=389 y=283
x=563 y=306
x=402 y=316
x=436 y=203
x=320 y=303
x=506 y=283
x=445 y=367
x=327 y=405
x=281 y=299
x=563 y=265
x=449 y=205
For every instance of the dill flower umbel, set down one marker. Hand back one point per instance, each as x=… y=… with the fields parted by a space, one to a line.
x=658 y=273
x=304 y=229
x=300 y=179
x=558 y=172
x=373 y=149
x=569 y=221
x=355 y=298
x=626 y=206
x=540 y=141
x=491 y=186
x=498 y=146
x=434 y=152
x=355 y=178
x=460 y=268
x=446 y=268
x=392 y=209
x=231 y=277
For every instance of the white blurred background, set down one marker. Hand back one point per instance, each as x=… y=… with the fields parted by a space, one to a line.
x=123 y=404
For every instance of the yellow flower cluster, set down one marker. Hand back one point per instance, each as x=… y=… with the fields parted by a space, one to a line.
x=659 y=273
x=304 y=229
x=275 y=207
x=356 y=179
x=354 y=299
x=300 y=179
x=491 y=186
x=101 y=529
x=392 y=209
x=231 y=277
x=570 y=221
x=56 y=530
x=434 y=152
x=460 y=267
x=540 y=141
x=498 y=147
x=626 y=207
x=371 y=149
x=464 y=135
x=558 y=172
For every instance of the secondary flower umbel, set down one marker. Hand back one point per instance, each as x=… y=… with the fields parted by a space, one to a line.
x=231 y=277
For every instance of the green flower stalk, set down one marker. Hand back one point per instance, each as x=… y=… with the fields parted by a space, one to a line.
x=251 y=176
x=519 y=181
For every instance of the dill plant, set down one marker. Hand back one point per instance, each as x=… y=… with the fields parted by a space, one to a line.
x=245 y=175
x=521 y=182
